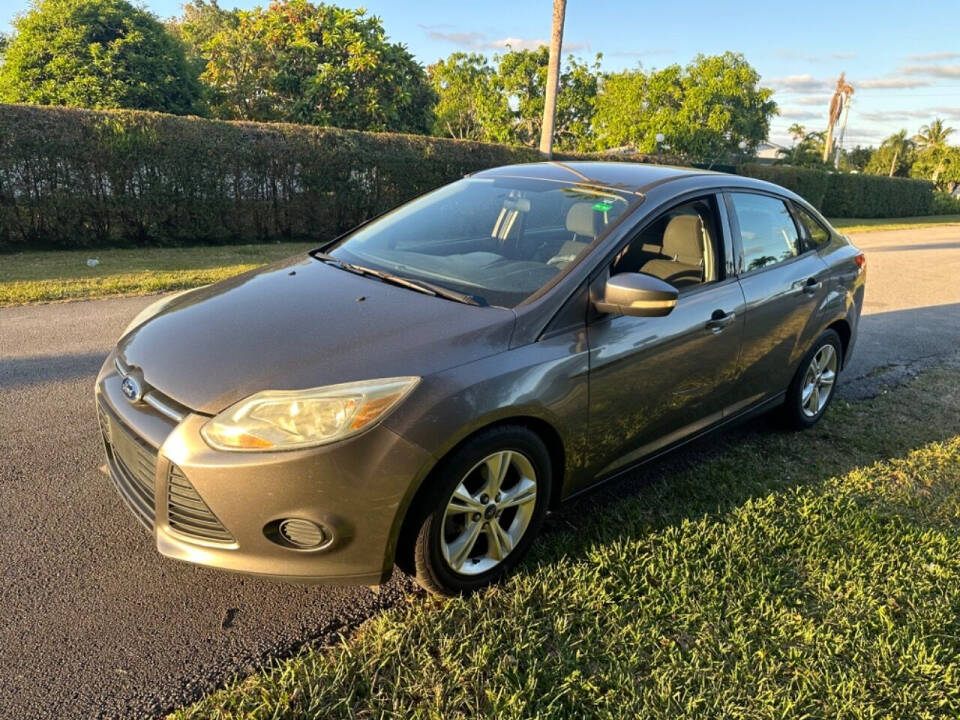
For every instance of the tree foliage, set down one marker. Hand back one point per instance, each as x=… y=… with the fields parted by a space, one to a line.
x=470 y=105
x=503 y=101
x=807 y=148
x=96 y=54
x=894 y=157
x=713 y=108
x=295 y=61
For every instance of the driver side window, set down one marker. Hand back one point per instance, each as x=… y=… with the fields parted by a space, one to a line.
x=679 y=247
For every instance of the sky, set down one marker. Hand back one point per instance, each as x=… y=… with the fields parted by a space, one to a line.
x=903 y=59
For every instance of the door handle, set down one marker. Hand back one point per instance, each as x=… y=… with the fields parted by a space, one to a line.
x=719 y=320
x=810 y=285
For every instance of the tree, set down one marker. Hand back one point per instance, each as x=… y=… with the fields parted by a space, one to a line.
x=522 y=77
x=96 y=54
x=858 y=157
x=807 y=149
x=893 y=157
x=470 y=104
x=299 y=62
x=931 y=143
x=712 y=109
x=504 y=101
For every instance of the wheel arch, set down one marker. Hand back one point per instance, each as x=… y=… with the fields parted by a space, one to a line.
x=414 y=512
x=843 y=329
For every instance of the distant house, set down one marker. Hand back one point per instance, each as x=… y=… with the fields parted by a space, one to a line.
x=768 y=152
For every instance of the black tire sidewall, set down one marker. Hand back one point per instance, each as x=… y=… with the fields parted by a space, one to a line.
x=794 y=402
x=430 y=560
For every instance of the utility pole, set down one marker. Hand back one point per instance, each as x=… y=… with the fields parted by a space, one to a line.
x=553 y=78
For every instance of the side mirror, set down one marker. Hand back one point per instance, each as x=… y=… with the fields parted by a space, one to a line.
x=638 y=295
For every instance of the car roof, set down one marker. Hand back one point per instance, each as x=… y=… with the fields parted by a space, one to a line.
x=629 y=176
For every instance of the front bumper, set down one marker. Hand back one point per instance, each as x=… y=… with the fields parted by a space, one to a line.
x=356 y=490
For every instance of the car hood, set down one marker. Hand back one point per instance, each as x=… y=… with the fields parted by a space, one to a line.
x=303 y=323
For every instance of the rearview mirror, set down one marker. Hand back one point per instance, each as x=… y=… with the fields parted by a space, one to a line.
x=638 y=295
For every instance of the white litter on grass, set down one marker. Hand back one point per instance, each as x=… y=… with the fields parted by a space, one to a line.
x=93 y=262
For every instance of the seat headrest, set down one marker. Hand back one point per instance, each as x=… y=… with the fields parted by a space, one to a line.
x=683 y=238
x=582 y=219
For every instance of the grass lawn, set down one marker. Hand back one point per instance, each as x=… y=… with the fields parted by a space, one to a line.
x=861 y=225
x=64 y=275
x=45 y=276
x=761 y=574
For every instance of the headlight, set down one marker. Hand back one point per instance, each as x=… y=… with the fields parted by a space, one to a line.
x=289 y=419
x=152 y=309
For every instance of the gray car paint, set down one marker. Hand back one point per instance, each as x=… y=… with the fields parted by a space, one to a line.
x=606 y=392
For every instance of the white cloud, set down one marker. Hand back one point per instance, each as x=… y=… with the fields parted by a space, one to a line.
x=891 y=82
x=472 y=40
x=800 y=84
x=479 y=41
x=813 y=100
x=808 y=58
x=941 y=71
x=793 y=114
x=516 y=43
x=925 y=114
x=934 y=56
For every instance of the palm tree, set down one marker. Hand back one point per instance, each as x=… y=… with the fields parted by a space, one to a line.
x=900 y=145
x=932 y=140
x=553 y=78
x=797 y=131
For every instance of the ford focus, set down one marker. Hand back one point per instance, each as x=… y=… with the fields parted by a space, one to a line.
x=421 y=391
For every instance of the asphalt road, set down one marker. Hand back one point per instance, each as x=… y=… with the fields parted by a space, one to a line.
x=97 y=624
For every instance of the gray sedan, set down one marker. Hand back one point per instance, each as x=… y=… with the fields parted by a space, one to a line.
x=422 y=390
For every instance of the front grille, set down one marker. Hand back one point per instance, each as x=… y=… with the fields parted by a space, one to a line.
x=133 y=466
x=187 y=513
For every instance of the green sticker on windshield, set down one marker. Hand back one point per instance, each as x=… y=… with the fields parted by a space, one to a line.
x=602 y=206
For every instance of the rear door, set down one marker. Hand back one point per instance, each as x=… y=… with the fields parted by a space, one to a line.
x=784 y=284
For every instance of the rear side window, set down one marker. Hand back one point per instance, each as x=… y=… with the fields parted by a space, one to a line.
x=816 y=235
x=767 y=231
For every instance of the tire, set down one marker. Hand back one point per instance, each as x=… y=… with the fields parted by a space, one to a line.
x=805 y=404
x=464 y=544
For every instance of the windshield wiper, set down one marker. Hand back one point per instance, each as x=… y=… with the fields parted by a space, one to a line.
x=423 y=286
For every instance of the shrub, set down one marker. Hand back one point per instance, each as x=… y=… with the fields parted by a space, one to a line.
x=945 y=204
x=81 y=178
x=77 y=178
x=849 y=195
x=874 y=196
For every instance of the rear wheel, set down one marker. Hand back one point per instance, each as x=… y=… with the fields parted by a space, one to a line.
x=491 y=497
x=815 y=383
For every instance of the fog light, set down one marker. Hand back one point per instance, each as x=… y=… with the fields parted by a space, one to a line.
x=301 y=534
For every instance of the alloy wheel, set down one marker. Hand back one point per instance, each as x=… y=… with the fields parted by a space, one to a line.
x=489 y=512
x=819 y=380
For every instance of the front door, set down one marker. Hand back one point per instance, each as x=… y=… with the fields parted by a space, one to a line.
x=655 y=380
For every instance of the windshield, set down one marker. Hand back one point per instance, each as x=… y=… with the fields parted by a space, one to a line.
x=498 y=240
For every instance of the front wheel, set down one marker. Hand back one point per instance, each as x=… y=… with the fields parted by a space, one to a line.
x=814 y=385
x=492 y=495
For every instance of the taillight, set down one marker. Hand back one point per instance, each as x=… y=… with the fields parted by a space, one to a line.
x=861 y=261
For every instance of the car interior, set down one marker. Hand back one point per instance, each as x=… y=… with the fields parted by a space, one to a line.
x=679 y=247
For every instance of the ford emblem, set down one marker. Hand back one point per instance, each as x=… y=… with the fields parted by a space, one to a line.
x=131 y=389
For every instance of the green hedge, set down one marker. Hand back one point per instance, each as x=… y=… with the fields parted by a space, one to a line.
x=76 y=178
x=81 y=178
x=848 y=195
x=945 y=204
